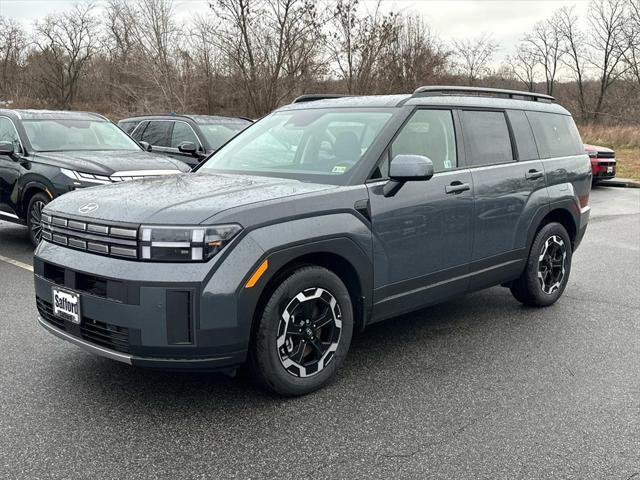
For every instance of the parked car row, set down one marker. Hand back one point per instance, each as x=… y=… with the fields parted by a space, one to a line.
x=44 y=154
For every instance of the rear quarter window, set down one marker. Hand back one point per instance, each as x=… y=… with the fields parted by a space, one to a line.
x=523 y=135
x=556 y=134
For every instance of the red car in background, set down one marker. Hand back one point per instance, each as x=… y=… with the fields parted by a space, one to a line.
x=603 y=162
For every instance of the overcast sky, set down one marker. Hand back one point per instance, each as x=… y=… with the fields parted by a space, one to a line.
x=506 y=20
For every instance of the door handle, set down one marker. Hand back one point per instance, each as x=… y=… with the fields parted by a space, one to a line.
x=457 y=187
x=533 y=174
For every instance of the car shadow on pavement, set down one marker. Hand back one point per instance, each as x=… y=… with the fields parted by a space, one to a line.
x=414 y=342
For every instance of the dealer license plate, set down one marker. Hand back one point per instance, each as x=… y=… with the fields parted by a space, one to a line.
x=66 y=305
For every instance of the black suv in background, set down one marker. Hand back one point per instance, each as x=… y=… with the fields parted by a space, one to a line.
x=322 y=218
x=189 y=138
x=44 y=154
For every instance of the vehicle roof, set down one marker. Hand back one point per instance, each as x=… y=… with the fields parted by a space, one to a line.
x=29 y=114
x=395 y=101
x=199 y=119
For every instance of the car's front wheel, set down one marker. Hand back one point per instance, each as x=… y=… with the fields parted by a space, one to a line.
x=304 y=332
x=34 y=217
x=548 y=266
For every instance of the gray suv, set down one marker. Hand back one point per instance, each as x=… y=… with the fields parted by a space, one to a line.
x=322 y=218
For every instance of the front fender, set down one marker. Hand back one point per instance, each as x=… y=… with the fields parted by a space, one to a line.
x=228 y=303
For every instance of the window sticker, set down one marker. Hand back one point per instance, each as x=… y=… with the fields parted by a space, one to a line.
x=339 y=169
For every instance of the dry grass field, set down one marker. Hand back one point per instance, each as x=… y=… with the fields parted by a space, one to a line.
x=624 y=140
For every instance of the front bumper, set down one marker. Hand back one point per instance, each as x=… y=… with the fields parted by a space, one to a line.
x=213 y=363
x=170 y=316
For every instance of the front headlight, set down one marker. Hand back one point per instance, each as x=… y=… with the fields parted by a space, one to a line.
x=184 y=244
x=82 y=177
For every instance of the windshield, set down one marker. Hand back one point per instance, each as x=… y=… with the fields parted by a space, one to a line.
x=60 y=135
x=220 y=133
x=301 y=143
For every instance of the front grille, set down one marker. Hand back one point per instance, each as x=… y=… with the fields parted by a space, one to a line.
x=45 y=309
x=606 y=154
x=105 y=335
x=114 y=241
x=98 y=333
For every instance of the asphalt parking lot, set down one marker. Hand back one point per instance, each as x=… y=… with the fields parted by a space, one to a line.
x=480 y=387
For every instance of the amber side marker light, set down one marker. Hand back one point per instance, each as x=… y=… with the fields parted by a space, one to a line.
x=257 y=274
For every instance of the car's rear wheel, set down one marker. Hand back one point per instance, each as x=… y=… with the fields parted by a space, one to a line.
x=547 y=270
x=34 y=217
x=304 y=332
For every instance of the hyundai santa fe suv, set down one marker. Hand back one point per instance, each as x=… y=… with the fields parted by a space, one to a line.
x=44 y=154
x=322 y=218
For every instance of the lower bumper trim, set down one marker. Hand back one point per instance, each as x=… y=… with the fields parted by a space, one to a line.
x=104 y=352
x=169 y=363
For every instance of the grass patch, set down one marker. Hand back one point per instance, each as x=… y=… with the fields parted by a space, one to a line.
x=624 y=140
x=628 y=163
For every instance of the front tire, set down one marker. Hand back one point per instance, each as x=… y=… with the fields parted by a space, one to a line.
x=34 y=217
x=304 y=332
x=548 y=266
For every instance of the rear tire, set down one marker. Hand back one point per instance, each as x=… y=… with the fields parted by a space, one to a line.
x=304 y=332
x=34 y=217
x=547 y=270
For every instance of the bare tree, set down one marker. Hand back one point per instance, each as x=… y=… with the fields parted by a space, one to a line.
x=12 y=47
x=544 y=43
x=159 y=38
x=270 y=45
x=474 y=56
x=357 y=41
x=66 y=43
x=608 y=20
x=208 y=59
x=415 y=57
x=523 y=65
x=632 y=39
x=575 y=53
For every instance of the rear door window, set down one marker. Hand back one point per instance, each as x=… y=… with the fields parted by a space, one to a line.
x=556 y=135
x=486 y=136
x=158 y=133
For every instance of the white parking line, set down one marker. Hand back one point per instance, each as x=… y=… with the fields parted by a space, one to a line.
x=11 y=261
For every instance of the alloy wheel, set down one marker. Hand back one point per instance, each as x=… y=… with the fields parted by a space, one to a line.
x=309 y=332
x=35 y=220
x=551 y=264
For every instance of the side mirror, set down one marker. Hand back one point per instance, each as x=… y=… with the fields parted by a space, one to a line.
x=6 y=148
x=407 y=168
x=188 y=147
x=146 y=146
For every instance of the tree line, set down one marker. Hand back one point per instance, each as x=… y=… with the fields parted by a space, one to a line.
x=247 y=57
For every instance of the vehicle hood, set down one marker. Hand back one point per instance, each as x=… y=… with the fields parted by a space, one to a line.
x=182 y=199
x=596 y=148
x=109 y=162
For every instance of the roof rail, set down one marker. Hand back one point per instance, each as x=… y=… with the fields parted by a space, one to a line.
x=482 y=92
x=312 y=97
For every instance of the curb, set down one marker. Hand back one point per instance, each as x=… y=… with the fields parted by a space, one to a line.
x=620 y=182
